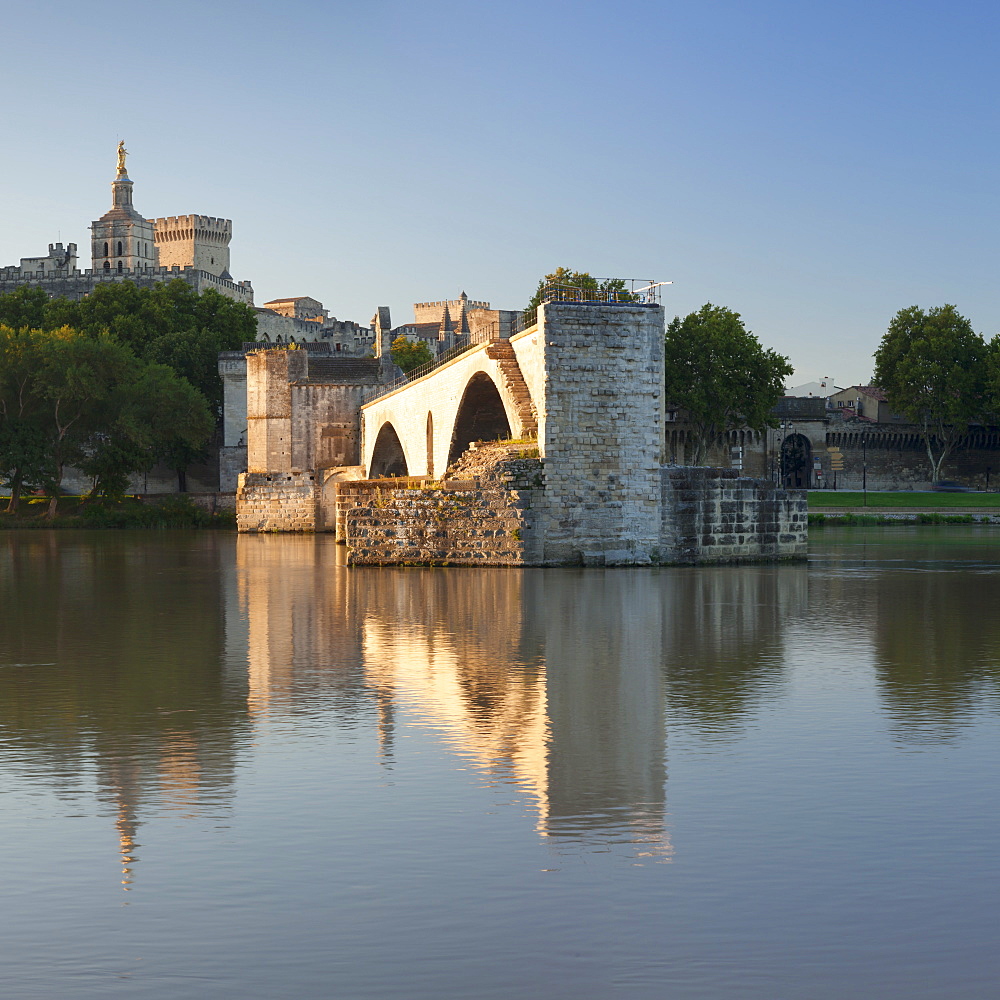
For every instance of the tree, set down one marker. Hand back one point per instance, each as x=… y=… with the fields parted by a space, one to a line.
x=612 y=289
x=154 y=416
x=67 y=397
x=167 y=324
x=24 y=452
x=410 y=354
x=24 y=308
x=719 y=372
x=934 y=369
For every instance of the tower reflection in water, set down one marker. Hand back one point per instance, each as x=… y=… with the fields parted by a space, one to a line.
x=551 y=680
x=112 y=650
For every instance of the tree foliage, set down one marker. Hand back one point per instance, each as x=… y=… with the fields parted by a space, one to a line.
x=588 y=286
x=410 y=354
x=933 y=368
x=67 y=397
x=719 y=372
x=168 y=323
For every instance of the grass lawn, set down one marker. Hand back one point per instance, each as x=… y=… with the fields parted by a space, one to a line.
x=855 y=498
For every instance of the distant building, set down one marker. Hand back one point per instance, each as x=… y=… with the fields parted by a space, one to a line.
x=126 y=246
x=821 y=387
x=867 y=402
x=450 y=323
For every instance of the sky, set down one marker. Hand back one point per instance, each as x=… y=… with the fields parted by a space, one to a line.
x=814 y=166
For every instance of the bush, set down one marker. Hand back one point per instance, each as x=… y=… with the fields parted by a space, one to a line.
x=170 y=512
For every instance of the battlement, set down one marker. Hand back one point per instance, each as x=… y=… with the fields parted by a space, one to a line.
x=76 y=284
x=191 y=227
x=452 y=304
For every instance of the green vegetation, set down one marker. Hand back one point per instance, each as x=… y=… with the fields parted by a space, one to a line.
x=69 y=398
x=934 y=369
x=113 y=384
x=849 y=518
x=611 y=288
x=720 y=373
x=855 y=498
x=410 y=354
x=127 y=512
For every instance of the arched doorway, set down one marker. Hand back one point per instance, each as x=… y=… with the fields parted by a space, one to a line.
x=388 y=458
x=481 y=416
x=796 y=462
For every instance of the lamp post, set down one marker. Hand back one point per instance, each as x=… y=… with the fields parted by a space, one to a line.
x=787 y=429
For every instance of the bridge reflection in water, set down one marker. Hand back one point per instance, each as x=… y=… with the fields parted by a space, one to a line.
x=552 y=681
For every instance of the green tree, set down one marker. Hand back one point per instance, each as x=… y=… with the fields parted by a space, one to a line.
x=719 y=372
x=169 y=324
x=166 y=324
x=410 y=354
x=153 y=416
x=569 y=282
x=934 y=369
x=24 y=453
x=24 y=308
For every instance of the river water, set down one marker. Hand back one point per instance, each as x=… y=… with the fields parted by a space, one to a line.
x=233 y=768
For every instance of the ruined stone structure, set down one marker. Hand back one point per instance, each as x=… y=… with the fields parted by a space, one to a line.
x=581 y=394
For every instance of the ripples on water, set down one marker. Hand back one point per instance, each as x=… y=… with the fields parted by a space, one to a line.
x=231 y=767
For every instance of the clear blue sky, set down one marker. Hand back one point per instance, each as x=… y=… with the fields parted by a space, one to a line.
x=814 y=166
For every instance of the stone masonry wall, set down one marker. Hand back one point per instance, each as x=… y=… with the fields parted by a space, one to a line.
x=713 y=515
x=385 y=526
x=601 y=432
x=273 y=502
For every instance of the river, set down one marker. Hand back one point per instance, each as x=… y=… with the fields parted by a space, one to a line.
x=230 y=767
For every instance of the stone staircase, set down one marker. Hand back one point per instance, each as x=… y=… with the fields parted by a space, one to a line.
x=510 y=371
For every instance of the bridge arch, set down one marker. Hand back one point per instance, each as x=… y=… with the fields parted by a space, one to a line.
x=388 y=457
x=481 y=416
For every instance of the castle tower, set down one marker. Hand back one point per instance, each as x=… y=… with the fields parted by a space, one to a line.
x=199 y=241
x=122 y=240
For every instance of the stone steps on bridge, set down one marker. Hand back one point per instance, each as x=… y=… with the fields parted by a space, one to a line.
x=502 y=352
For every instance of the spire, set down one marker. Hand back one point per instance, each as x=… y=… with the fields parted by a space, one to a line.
x=446 y=324
x=463 y=317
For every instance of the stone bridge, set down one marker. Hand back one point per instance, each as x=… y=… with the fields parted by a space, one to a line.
x=585 y=383
x=422 y=427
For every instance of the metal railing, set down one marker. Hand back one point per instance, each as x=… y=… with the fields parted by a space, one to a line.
x=623 y=291
x=378 y=391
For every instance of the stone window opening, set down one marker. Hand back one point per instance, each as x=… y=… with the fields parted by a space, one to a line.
x=107 y=265
x=119 y=267
x=105 y=248
x=119 y=248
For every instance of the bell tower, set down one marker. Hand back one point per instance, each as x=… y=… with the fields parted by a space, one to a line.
x=122 y=240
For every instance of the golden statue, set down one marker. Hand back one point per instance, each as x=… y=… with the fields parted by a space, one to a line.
x=122 y=153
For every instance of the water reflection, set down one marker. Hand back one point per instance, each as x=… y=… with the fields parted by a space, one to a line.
x=112 y=673
x=137 y=667
x=555 y=681
x=926 y=601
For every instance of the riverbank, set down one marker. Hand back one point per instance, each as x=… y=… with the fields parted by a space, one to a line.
x=172 y=511
x=909 y=507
